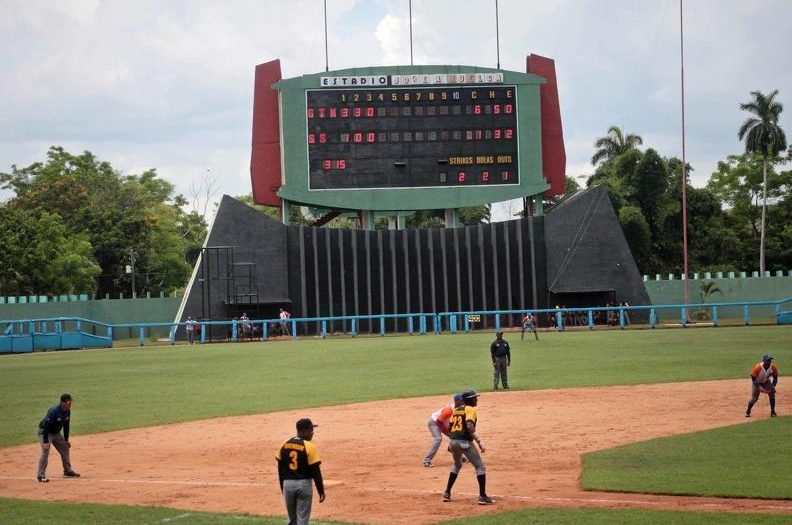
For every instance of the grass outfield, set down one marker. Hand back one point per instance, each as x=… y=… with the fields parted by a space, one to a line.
x=752 y=461
x=155 y=385
x=15 y=512
x=135 y=387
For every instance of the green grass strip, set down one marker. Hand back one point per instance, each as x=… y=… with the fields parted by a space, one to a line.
x=583 y=516
x=19 y=512
x=753 y=460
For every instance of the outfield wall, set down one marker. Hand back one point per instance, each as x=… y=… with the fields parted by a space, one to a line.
x=733 y=290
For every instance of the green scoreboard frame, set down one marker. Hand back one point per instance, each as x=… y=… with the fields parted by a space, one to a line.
x=410 y=137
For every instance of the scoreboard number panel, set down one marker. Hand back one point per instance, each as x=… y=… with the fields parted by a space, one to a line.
x=416 y=137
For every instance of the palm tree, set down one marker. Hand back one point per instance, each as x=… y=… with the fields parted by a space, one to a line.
x=764 y=136
x=614 y=144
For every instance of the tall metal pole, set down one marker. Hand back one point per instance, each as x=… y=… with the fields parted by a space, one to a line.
x=327 y=62
x=684 y=174
x=411 y=43
x=497 y=34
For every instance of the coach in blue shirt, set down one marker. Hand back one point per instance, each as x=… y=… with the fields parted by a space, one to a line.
x=49 y=432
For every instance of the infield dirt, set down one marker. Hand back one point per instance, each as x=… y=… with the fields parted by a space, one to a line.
x=372 y=456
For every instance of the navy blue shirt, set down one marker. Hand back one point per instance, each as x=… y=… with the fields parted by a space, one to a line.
x=55 y=419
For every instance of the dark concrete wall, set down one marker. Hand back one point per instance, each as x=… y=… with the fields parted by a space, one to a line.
x=587 y=251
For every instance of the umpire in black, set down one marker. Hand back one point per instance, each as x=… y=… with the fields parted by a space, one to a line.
x=501 y=359
x=49 y=432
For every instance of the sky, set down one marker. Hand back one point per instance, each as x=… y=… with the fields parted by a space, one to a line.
x=168 y=84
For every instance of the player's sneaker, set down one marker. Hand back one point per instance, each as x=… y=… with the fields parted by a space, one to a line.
x=446 y=497
x=71 y=474
x=427 y=464
x=485 y=500
x=747 y=414
x=42 y=479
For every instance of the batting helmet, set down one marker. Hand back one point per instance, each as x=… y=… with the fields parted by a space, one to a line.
x=467 y=395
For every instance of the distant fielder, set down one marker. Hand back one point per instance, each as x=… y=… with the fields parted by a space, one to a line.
x=764 y=378
x=298 y=464
x=529 y=324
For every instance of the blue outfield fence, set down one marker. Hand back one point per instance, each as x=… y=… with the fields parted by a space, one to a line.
x=19 y=336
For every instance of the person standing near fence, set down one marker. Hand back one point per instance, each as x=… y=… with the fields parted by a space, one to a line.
x=49 y=433
x=298 y=464
x=501 y=360
x=764 y=378
x=189 y=327
x=284 y=321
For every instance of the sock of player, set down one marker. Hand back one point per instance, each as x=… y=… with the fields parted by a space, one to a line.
x=482 y=481
x=772 y=403
x=451 y=480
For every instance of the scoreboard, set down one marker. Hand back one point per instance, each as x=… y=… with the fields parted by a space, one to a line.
x=412 y=137
x=398 y=138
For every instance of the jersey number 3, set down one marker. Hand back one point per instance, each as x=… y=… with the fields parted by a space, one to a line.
x=293 y=462
x=456 y=423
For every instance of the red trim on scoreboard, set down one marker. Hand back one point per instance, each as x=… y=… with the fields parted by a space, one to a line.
x=553 y=152
x=265 y=157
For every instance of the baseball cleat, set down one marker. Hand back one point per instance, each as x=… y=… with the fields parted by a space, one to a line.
x=446 y=497
x=42 y=479
x=773 y=414
x=747 y=414
x=71 y=474
x=485 y=500
x=427 y=464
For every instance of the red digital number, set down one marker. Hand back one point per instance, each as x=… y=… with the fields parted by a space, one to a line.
x=333 y=112
x=369 y=112
x=322 y=112
x=461 y=176
x=504 y=175
x=509 y=133
x=328 y=165
x=479 y=134
x=507 y=108
x=341 y=164
x=311 y=138
x=357 y=138
x=477 y=109
x=496 y=109
x=370 y=137
x=322 y=138
x=485 y=176
x=311 y=112
x=497 y=133
x=357 y=112
x=344 y=112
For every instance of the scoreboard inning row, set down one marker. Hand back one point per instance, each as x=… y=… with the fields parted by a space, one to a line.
x=412 y=137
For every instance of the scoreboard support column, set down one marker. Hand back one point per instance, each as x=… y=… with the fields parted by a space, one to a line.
x=452 y=218
x=285 y=212
x=366 y=219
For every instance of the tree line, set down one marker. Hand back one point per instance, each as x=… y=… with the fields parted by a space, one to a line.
x=741 y=219
x=77 y=225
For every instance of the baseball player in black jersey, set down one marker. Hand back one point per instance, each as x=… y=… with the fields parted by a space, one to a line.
x=463 y=433
x=298 y=464
x=49 y=433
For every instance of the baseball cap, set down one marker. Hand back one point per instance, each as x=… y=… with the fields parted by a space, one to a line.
x=457 y=398
x=767 y=357
x=499 y=332
x=305 y=424
x=66 y=397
